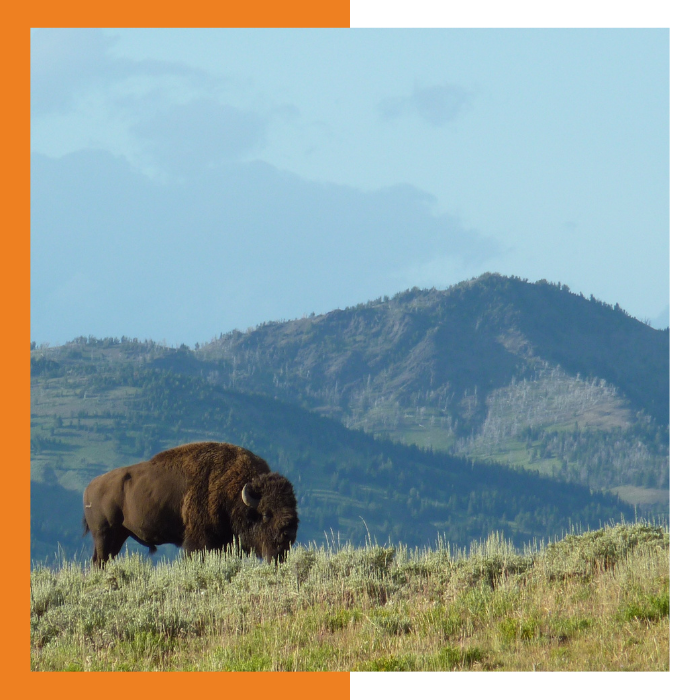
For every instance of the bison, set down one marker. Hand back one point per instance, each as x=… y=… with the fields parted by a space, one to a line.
x=200 y=496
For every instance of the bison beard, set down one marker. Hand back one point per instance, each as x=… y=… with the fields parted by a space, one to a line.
x=201 y=496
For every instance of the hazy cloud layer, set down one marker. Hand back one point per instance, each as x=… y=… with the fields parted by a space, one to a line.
x=111 y=247
x=67 y=64
x=219 y=243
x=114 y=253
x=437 y=105
x=202 y=133
x=174 y=117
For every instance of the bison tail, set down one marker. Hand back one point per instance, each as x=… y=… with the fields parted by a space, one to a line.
x=86 y=527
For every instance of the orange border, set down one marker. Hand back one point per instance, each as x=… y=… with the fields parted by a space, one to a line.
x=14 y=519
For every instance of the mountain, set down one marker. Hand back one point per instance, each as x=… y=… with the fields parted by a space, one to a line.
x=480 y=334
x=496 y=368
x=494 y=405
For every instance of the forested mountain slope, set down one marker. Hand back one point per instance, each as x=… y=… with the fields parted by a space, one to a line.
x=478 y=334
x=347 y=482
x=478 y=369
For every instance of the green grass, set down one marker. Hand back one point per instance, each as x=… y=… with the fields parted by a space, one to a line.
x=591 y=601
x=641 y=496
x=651 y=607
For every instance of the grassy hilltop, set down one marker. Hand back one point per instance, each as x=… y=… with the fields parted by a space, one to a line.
x=594 y=601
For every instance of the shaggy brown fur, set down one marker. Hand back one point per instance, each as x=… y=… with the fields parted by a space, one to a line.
x=192 y=496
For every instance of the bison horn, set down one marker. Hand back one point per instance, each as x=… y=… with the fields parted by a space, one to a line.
x=250 y=498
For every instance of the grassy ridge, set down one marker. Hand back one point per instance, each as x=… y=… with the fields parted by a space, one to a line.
x=592 y=601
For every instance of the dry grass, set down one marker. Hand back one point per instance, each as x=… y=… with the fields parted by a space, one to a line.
x=593 y=601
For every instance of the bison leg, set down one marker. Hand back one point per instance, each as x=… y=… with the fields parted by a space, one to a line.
x=192 y=545
x=195 y=541
x=108 y=542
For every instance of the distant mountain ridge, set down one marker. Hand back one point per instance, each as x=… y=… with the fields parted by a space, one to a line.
x=470 y=339
x=513 y=376
x=474 y=370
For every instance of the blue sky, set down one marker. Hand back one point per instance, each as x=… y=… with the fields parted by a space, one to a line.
x=188 y=182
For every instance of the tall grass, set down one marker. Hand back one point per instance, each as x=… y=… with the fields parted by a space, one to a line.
x=591 y=601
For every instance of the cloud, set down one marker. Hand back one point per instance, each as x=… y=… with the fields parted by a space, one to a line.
x=189 y=137
x=437 y=105
x=67 y=64
x=115 y=253
x=170 y=116
x=439 y=270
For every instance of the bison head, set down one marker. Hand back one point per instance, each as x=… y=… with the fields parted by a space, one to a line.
x=271 y=513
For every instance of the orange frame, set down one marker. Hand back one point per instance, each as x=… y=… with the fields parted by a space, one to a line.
x=14 y=516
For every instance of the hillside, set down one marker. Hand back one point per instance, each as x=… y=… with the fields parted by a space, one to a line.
x=594 y=601
x=100 y=404
x=479 y=333
x=498 y=368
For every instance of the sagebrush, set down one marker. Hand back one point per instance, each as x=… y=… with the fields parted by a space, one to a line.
x=595 y=600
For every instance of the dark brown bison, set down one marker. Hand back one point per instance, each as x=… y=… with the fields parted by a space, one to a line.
x=201 y=496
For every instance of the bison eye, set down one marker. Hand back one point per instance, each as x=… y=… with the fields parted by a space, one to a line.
x=266 y=516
